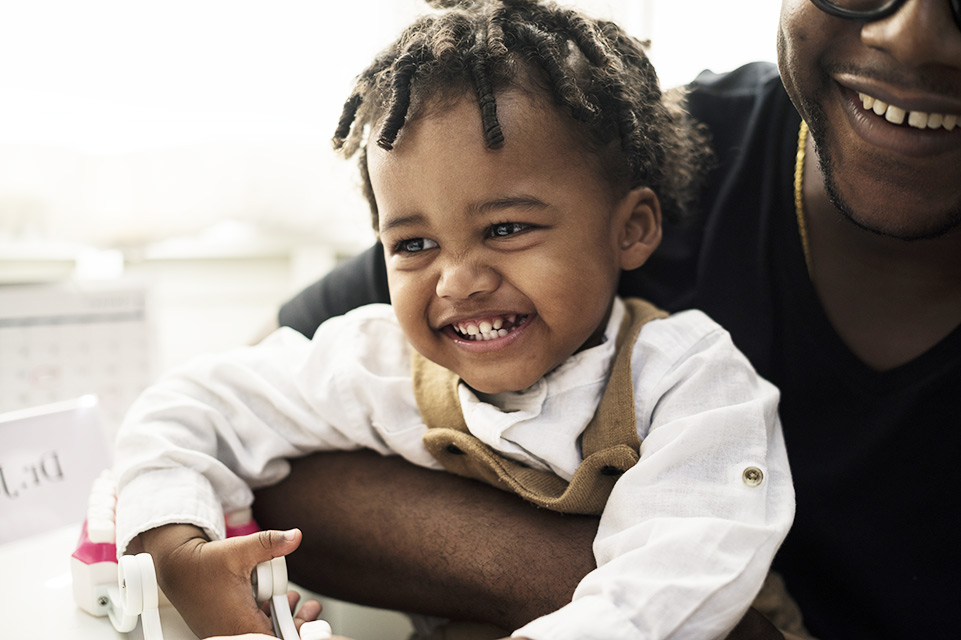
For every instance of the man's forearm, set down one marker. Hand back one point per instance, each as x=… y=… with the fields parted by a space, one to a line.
x=385 y=533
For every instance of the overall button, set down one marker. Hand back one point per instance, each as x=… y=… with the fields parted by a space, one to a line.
x=752 y=476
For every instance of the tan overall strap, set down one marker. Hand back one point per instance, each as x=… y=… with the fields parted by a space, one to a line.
x=610 y=443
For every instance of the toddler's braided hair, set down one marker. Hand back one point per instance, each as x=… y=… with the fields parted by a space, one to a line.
x=591 y=68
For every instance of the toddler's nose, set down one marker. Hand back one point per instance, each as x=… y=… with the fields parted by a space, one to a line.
x=464 y=279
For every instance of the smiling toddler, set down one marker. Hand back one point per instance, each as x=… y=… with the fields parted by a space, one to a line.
x=517 y=157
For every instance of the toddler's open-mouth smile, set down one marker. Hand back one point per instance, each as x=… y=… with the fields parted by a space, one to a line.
x=487 y=328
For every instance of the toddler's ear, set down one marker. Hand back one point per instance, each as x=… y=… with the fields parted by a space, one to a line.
x=639 y=215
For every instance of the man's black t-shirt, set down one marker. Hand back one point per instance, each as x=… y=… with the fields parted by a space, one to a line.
x=876 y=456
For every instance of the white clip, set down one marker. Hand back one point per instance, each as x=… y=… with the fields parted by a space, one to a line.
x=269 y=581
x=135 y=595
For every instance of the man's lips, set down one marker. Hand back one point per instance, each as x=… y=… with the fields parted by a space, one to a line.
x=914 y=118
x=917 y=92
x=893 y=130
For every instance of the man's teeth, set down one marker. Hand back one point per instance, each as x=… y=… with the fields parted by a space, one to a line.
x=916 y=119
x=487 y=329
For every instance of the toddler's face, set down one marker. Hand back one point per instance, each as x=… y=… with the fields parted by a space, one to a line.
x=501 y=262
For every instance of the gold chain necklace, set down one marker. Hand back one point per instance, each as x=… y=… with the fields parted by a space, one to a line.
x=802 y=137
x=799 y=193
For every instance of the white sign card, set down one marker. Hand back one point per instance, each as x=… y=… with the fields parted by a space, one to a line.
x=49 y=458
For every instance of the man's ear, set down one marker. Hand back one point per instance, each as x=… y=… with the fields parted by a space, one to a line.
x=639 y=225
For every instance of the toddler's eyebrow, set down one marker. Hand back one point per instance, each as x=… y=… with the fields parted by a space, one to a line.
x=477 y=208
x=387 y=223
x=511 y=202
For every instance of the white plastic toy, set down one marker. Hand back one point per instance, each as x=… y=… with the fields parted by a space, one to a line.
x=127 y=591
x=270 y=584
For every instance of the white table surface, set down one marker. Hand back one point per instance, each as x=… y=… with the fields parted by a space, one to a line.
x=36 y=600
x=36 y=595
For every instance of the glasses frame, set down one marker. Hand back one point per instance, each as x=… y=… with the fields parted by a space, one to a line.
x=870 y=15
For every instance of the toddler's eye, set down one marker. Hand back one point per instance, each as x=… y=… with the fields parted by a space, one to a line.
x=505 y=229
x=414 y=245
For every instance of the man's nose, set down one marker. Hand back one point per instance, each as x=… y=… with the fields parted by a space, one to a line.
x=921 y=33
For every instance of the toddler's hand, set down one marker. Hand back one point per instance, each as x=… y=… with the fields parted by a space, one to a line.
x=209 y=582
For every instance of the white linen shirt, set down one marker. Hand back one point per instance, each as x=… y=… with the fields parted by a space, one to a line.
x=684 y=542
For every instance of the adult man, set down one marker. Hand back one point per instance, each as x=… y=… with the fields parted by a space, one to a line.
x=835 y=264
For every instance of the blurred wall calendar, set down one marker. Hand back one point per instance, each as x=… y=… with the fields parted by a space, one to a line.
x=62 y=341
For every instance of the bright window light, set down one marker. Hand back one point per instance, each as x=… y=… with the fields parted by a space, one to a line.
x=125 y=122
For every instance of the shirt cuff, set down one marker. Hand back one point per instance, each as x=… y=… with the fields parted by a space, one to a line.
x=167 y=496
x=587 y=618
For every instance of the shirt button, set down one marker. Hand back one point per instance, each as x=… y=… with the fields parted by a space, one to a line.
x=752 y=476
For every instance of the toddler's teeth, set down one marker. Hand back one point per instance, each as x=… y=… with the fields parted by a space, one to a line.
x=472 y=330
x=498 y=323
x=485 y=327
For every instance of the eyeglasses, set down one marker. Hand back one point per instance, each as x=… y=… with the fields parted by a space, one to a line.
x=871 y=10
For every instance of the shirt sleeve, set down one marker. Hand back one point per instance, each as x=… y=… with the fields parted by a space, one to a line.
x=194 y=445
x=688 y=534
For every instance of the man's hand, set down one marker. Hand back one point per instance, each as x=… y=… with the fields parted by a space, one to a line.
x=209 y=582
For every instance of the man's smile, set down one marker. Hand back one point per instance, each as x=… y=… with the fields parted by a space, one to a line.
x=904 y=126
x=899 y=115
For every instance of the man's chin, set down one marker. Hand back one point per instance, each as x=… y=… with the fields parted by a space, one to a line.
x=883 y=197
x=909 y=223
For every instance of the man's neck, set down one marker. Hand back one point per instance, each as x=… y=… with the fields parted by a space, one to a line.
x=889 y=300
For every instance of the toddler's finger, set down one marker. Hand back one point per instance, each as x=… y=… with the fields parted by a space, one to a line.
x=279 y=543
x=253 y=549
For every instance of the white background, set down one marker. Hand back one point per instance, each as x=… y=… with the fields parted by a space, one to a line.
x=187 y=141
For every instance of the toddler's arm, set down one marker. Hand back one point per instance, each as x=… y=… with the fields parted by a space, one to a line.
x=194 y=445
